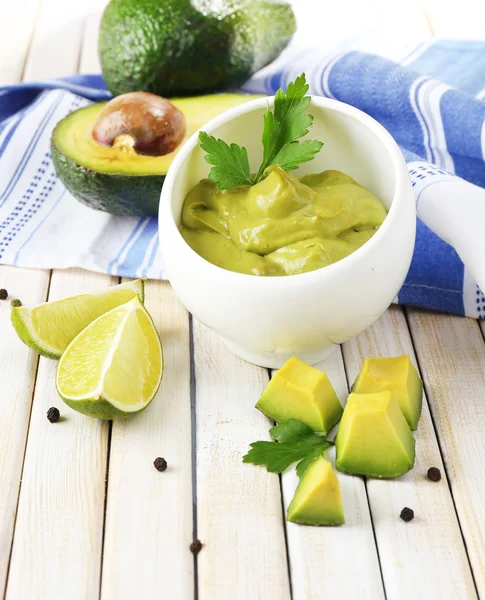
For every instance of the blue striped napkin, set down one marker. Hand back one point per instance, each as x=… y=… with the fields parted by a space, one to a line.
x=430 y=97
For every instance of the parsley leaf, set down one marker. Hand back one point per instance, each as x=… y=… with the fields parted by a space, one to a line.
x=302 y=466
x=282 y=127
x=287 y=123
x=296 y=441
x=292 y=431
x=293 y=154
x=276 y=457
x=231 y=164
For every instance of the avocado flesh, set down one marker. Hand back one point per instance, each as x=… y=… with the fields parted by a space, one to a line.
x=399 y=376
x=184 y=47
x=374 y=438
x=318 y=499
x=298 y=391
x=119 y=180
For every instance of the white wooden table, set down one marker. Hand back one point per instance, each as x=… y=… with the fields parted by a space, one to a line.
x=83 y=512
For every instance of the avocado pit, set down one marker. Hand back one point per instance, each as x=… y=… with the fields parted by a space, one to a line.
x=115 y=177
x=144 y=122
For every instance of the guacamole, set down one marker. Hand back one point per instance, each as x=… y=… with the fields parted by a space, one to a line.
x=283 y=225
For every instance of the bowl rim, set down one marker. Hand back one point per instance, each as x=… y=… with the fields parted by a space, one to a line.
x=166 y=220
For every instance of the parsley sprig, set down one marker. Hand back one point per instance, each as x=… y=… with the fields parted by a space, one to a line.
x=282 y=129
x=295 y=441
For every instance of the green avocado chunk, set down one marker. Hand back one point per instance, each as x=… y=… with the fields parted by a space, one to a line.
x=298 y=391
x=283 y=225
x=184 y=47
x=397 y=375
x=317 y=500
x=374 y=438
x=120 y=180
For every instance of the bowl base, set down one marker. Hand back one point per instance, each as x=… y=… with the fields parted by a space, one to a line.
x=275 y=360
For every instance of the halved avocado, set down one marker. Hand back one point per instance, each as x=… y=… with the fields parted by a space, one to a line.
x=118 y=180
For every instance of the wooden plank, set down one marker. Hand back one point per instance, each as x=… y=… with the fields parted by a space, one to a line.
x=321 y=557
x=481 y=323
x=89 y=53
x=451 y=353
x=149 y=514
x=19 y=366
x=88 y=61
x=425 y=558
x=57 y=544
x=239 y=517
x=18 y=363
x=150 y=532
x=447 y=20
x=15 y=37
x=56 y=41
x=387 y=21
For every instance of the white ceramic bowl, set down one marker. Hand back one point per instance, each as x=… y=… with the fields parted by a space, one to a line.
x=266 y=320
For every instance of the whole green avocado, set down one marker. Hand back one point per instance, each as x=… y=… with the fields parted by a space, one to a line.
x=185 y=47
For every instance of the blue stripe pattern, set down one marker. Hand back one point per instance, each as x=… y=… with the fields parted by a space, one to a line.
x=28 y=152
x=131 y=262
x=153 y=254
x=431 y=121
x=114 y=264
x=464 y=134
x=39 y=225
x=457 y=63
x=381 y=89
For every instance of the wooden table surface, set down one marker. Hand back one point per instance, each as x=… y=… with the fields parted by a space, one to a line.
x=83 y=513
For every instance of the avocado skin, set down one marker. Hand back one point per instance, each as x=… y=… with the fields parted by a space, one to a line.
x=374 y=473
x=112 y=193
x=183 y=47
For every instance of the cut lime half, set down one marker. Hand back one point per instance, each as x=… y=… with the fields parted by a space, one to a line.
x=50 y=327
x=113 y=368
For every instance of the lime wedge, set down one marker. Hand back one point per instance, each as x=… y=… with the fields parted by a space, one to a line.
x=113 y=368
x=49 y=328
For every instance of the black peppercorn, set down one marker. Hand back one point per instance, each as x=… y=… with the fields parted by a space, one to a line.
x=3 y=294
x=407 y=514
x=196 y=546
x=434 y=474
x=15 y=302
x=53 y=414
x=160 y=464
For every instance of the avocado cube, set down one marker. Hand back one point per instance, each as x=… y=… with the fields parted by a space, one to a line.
x=397 y=375
x=374 y=438
x=317 y=500
x=298 y=391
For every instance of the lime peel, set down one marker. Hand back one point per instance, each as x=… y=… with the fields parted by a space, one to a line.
x=48 y=328
x=119 y=360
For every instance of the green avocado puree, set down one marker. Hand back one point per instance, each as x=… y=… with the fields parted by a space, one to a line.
x=283 y=225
